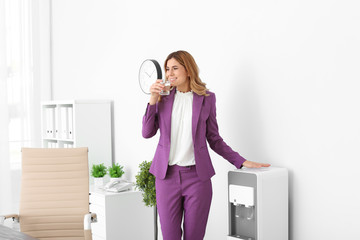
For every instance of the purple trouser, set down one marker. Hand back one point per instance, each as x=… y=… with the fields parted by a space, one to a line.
x=183 y=193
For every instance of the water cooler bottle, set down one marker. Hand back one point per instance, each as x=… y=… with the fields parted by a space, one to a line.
x=258 y=204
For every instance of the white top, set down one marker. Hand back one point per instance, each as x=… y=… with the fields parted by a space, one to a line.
x=182 y=147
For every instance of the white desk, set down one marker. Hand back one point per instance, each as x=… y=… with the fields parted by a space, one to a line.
x=120 y=215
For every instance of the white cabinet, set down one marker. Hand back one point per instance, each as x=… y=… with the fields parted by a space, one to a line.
x=79 y=123
x=121 y=216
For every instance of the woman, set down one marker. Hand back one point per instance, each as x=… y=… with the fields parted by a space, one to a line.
x=182 y=165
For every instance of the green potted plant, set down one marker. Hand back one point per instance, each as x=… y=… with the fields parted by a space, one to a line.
x=145 y=182
x=115 y=171
x=98 y=171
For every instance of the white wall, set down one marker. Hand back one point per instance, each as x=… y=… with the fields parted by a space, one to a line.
x=286 y=78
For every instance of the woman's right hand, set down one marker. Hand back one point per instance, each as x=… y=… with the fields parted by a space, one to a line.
x=155 y=90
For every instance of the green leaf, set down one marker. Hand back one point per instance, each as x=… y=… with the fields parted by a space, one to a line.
x=98 y=170
x=116 y=170
x=145 y=182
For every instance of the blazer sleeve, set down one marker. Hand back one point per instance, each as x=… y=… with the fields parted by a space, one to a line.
x=215 y=140
x=150 y=123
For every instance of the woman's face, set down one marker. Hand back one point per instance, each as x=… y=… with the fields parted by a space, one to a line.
x=177 y=75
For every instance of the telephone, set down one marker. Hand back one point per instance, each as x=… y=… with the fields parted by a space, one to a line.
x=118 y=186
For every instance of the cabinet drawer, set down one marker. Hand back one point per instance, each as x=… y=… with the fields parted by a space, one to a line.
x=99 y=230
x=97 y=237
x=97 y=199
x=98 y=209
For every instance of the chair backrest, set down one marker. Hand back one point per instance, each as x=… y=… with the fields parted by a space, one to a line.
x=54 y=192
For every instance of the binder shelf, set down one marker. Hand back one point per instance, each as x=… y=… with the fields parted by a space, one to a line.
x=79 y=123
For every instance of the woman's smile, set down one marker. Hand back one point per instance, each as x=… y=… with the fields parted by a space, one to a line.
x=172 y=79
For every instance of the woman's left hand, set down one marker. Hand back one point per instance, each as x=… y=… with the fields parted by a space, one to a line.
x=250 y=164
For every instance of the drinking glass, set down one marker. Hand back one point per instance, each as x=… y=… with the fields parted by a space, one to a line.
x=166 y=90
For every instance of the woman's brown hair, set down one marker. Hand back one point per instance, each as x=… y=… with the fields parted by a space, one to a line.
x=188 y=62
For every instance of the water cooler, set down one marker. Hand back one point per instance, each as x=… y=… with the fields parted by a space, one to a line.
x=258 y=204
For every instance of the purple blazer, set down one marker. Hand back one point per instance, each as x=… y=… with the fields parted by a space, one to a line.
x=204 y=127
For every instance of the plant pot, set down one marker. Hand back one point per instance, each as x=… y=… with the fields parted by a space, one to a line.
x=99 y=182
x=121 y=179
x=116 y=179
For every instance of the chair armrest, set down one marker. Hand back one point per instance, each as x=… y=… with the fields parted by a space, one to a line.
x=14 y=217
x=88 y=219
x=93 y=218
x=88 y=234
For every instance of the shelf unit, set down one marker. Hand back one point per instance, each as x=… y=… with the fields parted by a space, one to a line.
x=79 y=123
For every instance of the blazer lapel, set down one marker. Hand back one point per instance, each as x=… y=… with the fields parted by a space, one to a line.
x=197 y=104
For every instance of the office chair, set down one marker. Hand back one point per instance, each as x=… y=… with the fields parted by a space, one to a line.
x=54 y=199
